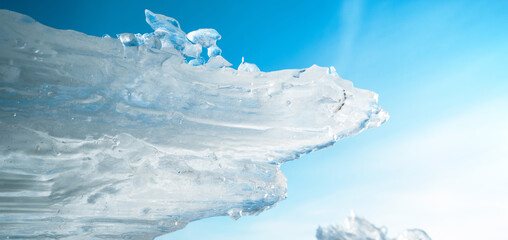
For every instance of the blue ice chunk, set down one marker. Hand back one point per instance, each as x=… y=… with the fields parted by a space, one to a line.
x=206 y=37
x=128 y=39
x=214 y=51
x=159 y=21
x=167 y=30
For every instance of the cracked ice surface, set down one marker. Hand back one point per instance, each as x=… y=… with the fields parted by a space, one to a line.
x=356 y=228
x=137 y=136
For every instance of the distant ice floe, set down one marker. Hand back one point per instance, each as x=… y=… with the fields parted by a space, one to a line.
x=356 y=228
x=136 y=136
x=248 y=67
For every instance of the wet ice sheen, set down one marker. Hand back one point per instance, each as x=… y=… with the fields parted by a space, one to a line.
x=107 y=138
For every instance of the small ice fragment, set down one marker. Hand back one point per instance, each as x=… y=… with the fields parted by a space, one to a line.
x=248 y=67
x=106 y=36
x=128 y=39
x=235 y=214
x=332 y=71
x=206 y=37
x=214 y=51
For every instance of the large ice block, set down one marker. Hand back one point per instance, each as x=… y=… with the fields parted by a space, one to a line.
x=106 y=138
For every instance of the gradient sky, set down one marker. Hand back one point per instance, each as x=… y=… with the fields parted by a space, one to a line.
x=441 y=70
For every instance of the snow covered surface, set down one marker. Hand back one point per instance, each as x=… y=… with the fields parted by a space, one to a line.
x=356 y=228
x=135 y=136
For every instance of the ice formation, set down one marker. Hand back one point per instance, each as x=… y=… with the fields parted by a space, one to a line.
x=356 y=228
x=135 y=136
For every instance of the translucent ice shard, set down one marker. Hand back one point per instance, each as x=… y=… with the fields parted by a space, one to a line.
x=356 y=228
x=167 y=27
x=190 y=45
x=106 y=138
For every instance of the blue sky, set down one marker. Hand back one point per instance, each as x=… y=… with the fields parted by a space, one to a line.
x=440 y=68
